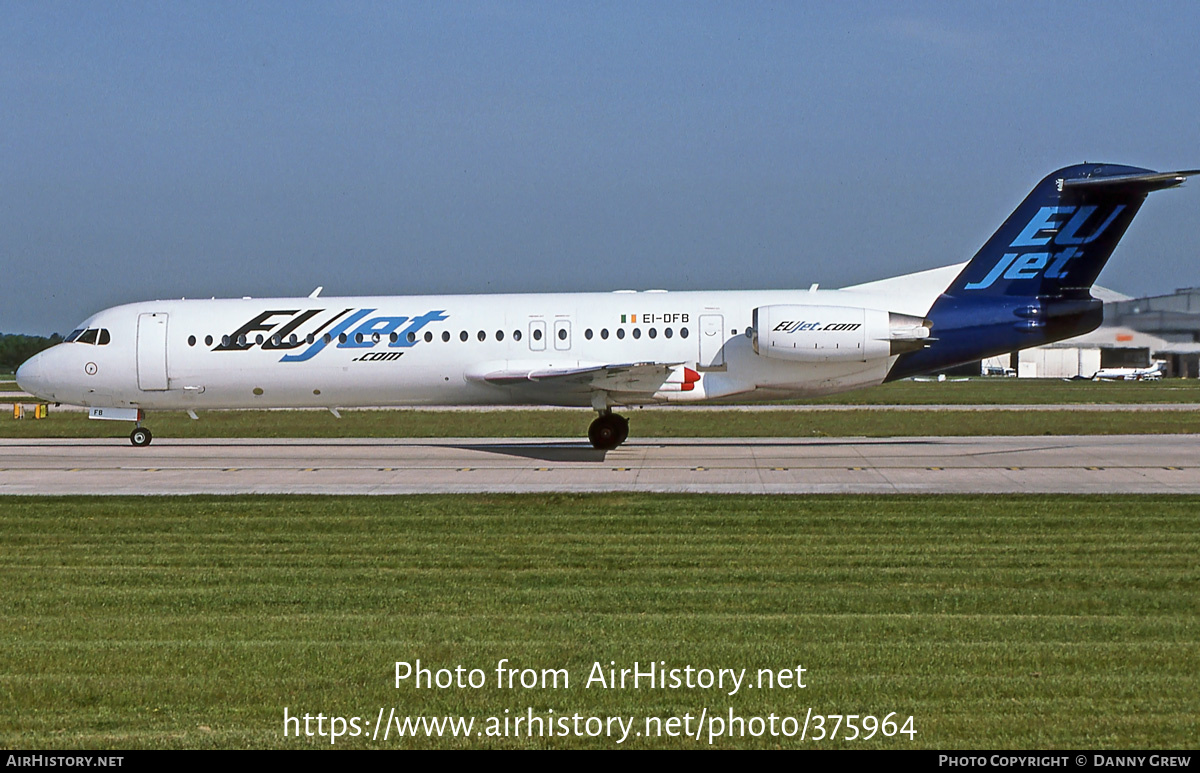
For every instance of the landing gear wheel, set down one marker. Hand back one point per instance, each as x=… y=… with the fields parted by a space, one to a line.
x=608 y=431
x=140 y=437
x=622 y=428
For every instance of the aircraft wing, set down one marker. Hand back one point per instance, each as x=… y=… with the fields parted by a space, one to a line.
x=643 y=378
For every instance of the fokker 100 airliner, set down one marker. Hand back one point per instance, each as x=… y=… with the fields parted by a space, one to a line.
x=1029 y=285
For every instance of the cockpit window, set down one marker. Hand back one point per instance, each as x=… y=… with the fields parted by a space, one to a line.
x=95 y=335
x=74 y=335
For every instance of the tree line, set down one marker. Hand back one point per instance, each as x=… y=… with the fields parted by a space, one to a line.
x=15 y=349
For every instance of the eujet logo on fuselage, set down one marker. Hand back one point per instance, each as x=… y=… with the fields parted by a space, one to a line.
x=1045 y=262
x=795 y=326
x=314 y=329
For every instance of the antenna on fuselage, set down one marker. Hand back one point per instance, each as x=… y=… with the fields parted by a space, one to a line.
x=316 y=292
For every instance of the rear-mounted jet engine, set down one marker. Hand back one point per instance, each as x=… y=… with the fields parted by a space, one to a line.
x=835 y=333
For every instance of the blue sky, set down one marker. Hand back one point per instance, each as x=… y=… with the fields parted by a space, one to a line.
x=196 y=149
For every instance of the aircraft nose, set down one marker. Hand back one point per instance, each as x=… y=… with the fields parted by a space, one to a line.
x=31 y=377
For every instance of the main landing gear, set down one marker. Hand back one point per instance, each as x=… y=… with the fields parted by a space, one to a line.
x=608 y=431
x=140 y=437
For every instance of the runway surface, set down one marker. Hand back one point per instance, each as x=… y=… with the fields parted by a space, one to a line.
x=1112 y=464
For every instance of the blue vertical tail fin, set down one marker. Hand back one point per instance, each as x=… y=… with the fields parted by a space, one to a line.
x=1058 y=240
x=1031 y=282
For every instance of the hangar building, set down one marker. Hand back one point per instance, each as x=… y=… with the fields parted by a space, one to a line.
x=1135 y=332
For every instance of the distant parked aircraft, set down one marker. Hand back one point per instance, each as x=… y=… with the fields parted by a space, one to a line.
x=1152 y=373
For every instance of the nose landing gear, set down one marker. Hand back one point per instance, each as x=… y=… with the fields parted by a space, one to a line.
x=608 y=431
x=140 y=437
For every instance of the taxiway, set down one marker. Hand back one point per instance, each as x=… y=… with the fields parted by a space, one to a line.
x=1096 y=464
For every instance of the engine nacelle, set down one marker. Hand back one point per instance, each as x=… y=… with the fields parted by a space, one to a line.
x=835 y=333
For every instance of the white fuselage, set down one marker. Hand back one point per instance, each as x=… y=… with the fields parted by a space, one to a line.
x=410 y=350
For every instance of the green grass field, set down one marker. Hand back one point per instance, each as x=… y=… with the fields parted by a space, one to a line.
x=1013 y=391
x=1016 y=622
x=573 y=423
x=643 y=424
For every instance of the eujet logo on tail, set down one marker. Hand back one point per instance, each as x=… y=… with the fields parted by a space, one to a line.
x=314 y=329
x=1048 y=263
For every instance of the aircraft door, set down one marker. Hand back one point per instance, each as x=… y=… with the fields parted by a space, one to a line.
x=562 y=334
x=712 y=341
x=152 y=352
x=537 y=335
